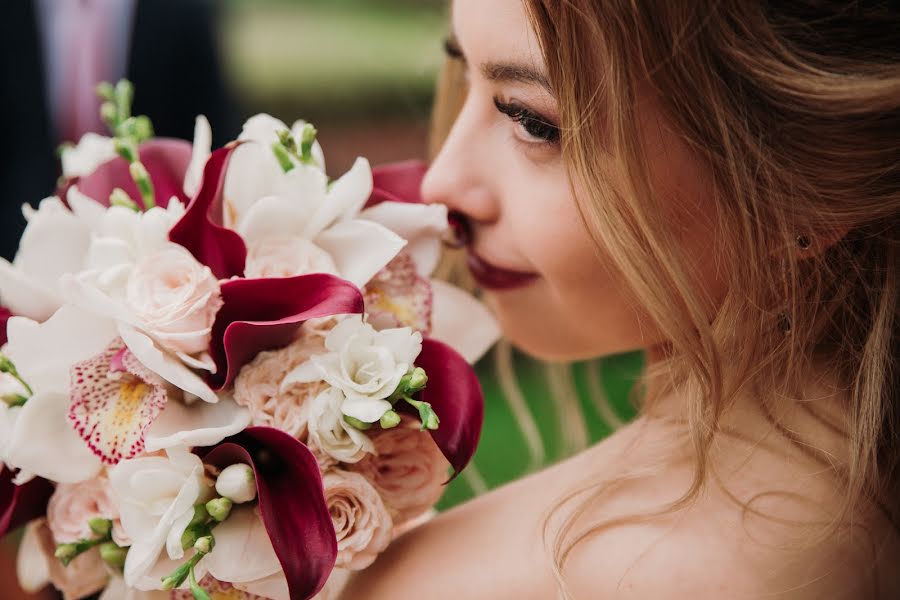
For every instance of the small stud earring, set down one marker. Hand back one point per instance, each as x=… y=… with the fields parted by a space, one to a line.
x=804 y=242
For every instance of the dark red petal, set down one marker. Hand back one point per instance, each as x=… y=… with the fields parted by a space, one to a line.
x=397 y=182
x=166 y=160
x=200 y=230
x=455 y=395
x=291 y=503
x=262 y=314
x=5 y=314
x=21 y=503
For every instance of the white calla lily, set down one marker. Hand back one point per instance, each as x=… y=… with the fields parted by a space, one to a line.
x=243 y=551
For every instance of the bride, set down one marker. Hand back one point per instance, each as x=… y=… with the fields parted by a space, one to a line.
x=717 y=183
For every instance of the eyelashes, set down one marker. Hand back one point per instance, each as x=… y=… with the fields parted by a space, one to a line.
x=535 y=125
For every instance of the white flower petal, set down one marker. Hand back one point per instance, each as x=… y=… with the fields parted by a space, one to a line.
x=262 y=129
x=404 y=343
x=243 y=550
x=346 y=197
x=88 y=210
x=422 y=225
x=360 y=248
x=317 y=152
x=24 y=296
x=366 y=410
x=45 y=444
x=251 y=171
x=54 y=242
x=306 y=372
x=118 y=590
x=200 y=153
x=45 y=352
x=31 y=562
x=274 y=587
x=200 y=424
x=165 y=365
x=462 y=322
x=271 y=217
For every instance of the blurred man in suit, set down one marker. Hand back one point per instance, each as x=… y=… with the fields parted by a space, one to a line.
x=52 y=53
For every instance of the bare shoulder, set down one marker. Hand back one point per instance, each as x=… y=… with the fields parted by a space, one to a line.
x=494 y=546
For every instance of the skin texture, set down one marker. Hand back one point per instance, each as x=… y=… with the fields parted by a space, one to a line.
x=516 y=193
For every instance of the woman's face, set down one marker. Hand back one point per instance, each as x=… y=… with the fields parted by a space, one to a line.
x=555 y=294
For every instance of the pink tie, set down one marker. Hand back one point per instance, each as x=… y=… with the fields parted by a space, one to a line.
x=85 y=66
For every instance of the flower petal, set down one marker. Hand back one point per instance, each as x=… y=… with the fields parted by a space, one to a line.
x=20 y=504
x=166 y=160
x=201 y=150
x=31 y=563
x=243 y=550
x=291 y=503
x=110 y=414
x=271 y=217
x=42 y=436
x=44 y=352
x=360 y=248
x=455 y=395
x=346 y=197
x=199 y=424
x=5 y=314
x=200 y=230
x=262 y=314
x=422 y=225
x=399 y=297
x=398 y=182
x=165 y=365
x=462 y=322
x=25 y=296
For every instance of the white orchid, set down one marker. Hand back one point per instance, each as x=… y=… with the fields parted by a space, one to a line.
x=156 y=496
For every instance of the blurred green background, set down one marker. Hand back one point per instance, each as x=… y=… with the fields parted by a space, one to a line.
x=364 y=72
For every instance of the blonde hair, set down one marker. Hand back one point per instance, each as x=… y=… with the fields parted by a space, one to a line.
x=795 y=112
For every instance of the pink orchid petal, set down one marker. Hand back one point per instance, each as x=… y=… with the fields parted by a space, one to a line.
x=200 y=230
x=455 y=395
x=262 y=314
x=398 y=182
x=113 y=413
x=399 y=297
x=5 y=314
x=21 y=503
x=165 y=159
x=291 y=503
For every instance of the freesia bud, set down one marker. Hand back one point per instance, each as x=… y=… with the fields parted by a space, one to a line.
x=390 y=419
x=142 y=179
x=307 y=139
x=113 y=555
x=100 y=526
x=105 y=90
x=66 y=552
x=283 y=157
x=237 y=483
x=219 y=508
x=417 y=380
x=120 y=197
x=109 y=114
x=126 y=148
x=205 y=544
x=356 y=423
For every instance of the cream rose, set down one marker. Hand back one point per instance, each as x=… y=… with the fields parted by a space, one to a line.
x=407 y=468
x=72 y=505
x=175 y=299
x=361 y=521
x=287 y=257
x=156 y=496
x=331 y=434
x=366 y=365
x=36 y=564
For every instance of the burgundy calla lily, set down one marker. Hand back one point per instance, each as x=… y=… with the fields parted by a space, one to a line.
x=21 y=503
x=5 y=314
x=456 y=397
x=397 y=182
x=262 y=314
x=166 y=160
x=291 y=503
x=201 y=231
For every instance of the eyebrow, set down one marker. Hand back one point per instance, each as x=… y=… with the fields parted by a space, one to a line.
x=498 y=71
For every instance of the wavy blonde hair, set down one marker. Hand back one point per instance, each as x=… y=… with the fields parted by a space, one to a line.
x=794 y=108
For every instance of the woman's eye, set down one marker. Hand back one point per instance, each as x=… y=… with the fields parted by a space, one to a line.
x=536 y=127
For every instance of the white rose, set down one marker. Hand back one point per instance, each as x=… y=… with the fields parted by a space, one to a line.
x=156 y=497
x=331 y=434
x=175 y=299
x=367 y=365
x=287 y=257
x=92 y=151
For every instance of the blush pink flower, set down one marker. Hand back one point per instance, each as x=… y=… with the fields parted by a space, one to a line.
x=72 y=505
x=398 y=296
x=361 y=521
x=85 y=575
x=407 y=469
x=287 y=257
x=257 y=387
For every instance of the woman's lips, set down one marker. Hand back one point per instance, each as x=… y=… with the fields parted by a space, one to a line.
x=494 y=278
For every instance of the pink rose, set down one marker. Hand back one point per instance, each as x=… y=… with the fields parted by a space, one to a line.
x=175 y=298
x=72 y=505
x=257 y=387
x=361 y=521
x=287 y=257
x=407 y=469
x=84 y=576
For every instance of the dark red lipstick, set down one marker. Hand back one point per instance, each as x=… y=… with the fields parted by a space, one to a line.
x=494 y=278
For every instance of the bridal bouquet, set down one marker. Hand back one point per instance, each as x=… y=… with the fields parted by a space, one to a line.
x=223 y=372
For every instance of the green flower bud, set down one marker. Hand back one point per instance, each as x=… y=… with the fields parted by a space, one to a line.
x=201 y=515
x=283 y=157
x=143 y=128
x=205 y=544
x=6 y=365
x=307 y=139
x=109 y=114
x=120 y=197
x=219 y=508
x=105 y=90
x=15 y=400
x=142 y=179
x=66 y=552
x=389 y=420
x=124 y=97
x=126 y=148
x=356 y=423
x=426 y=414
x=417 y=380
x=100 y=526
x=171 y=582
x=113 y=555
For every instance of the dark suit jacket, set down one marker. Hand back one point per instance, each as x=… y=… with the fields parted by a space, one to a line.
x=173 y=63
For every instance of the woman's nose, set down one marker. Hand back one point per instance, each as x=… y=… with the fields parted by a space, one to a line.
x=458 y=176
